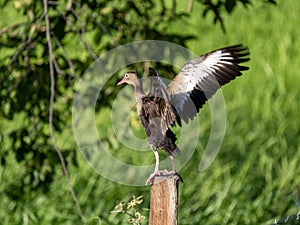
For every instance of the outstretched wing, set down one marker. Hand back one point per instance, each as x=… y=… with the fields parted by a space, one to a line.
x=159 y=96
x=199 y=79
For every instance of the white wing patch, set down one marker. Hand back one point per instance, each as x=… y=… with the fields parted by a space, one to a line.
x=201 y=77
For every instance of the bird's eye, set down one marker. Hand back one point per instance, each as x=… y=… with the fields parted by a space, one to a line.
x=126 y=75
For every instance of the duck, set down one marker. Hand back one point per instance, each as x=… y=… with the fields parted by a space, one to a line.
x=166 y=106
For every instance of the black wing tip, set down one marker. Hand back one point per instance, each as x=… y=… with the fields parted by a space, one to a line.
x=240 y=50
x=244 y=68
x=236 y=47
x=240 y=53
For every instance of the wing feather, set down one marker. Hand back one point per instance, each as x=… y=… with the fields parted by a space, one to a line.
x=200 y=78
x=160 y=97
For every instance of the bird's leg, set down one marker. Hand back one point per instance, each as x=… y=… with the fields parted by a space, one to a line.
x=174 y=172
x=156 y=169
x=173 y=165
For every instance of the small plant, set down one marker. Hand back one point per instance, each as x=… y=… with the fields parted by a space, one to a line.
x=136 y=218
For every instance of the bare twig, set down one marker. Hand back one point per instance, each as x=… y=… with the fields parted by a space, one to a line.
x=103 y=28
x=98 y=23
x=69 y=61
x=83 y=31
x=57 y=68
x=51 y=67
x=53 y=3
x=23 y=46
x=9 y=27
x=215 y=9
x=190 y=6
x=85 y=43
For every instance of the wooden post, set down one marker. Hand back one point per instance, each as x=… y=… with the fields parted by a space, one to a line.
x=164 y=200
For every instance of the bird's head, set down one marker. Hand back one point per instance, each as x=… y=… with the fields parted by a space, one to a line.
x=130 y=78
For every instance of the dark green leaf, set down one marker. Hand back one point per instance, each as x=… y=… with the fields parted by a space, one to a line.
x=229 y=5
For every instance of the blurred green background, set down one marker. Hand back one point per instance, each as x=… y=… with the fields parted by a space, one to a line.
x=254 y=178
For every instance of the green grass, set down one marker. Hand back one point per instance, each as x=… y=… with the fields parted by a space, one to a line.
x=254 y=178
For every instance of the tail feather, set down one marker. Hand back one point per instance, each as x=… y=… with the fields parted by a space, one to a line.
x=176 y=151
x=169 y=145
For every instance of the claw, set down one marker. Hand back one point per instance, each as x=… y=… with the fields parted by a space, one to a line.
x=164 y=173
x=150 y=180
x=178 y=175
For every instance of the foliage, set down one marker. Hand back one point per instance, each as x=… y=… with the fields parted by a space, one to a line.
x=216 y=8
x=88 y=27
x=25 y=81
x=136 y=218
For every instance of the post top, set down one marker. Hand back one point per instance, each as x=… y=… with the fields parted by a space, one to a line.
x=165 y=175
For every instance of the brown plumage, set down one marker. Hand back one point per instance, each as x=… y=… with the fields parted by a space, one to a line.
x=197 y=81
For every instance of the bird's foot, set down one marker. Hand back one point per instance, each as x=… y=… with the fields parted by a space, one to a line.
x=165 y=173
x=150 y=180
x=178 y=175
x=174 y=172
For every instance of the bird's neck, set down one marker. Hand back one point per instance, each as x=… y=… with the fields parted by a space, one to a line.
x=138 y=90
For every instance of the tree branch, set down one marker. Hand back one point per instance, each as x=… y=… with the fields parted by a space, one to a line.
x=85 y=43
x=190 y=6
x=215 y=8
x=69 y=61
x=51 y=67
x=9 y=27
x=24 y=44
x=82 y=37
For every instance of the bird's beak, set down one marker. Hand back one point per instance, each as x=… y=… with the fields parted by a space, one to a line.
x=121 y=82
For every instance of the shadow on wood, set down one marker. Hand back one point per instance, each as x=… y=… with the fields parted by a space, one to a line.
x=164 y=200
